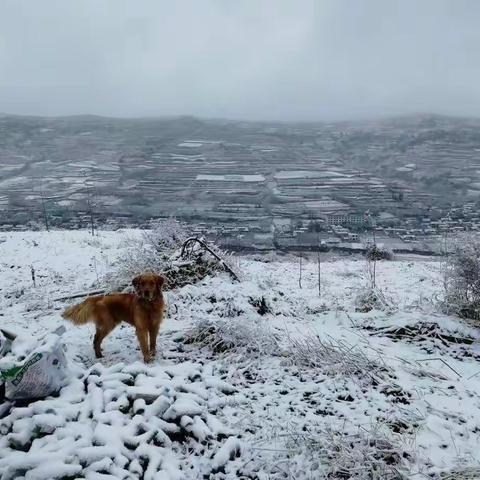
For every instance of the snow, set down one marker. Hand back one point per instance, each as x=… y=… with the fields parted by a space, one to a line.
x=294 y=174
x=330 y=205
x=232 y=392
x=231 y=178
x=190 y=144
x=232 y=447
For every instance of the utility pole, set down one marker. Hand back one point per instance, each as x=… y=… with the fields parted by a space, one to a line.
x=374 y=249
x=319 y=274
x=319 y=265
x=300 y=273
x=90 y=206
x=44 y=207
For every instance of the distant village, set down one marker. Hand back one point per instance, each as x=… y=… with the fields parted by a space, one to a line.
x=349 y=233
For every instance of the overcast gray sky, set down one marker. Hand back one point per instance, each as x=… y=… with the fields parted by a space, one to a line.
x=278 y=60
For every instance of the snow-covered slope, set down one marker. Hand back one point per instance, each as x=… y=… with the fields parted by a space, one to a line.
x=259 y=379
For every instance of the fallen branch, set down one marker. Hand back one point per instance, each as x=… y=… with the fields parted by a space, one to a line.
x=428 y=330
x=189 y=243
x=474 y=375
x=80 y=295
x=440 y=360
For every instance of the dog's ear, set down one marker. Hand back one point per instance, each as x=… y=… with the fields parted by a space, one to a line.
x=160 y=279
x=136 y=282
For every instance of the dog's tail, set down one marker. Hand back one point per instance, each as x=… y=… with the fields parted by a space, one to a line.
x=81 y=313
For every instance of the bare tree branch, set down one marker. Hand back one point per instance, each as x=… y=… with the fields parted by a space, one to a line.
x=192 y=240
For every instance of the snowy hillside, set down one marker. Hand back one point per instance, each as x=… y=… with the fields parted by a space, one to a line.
x=259 y=379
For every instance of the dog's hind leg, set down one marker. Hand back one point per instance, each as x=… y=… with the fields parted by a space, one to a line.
x=102 y=331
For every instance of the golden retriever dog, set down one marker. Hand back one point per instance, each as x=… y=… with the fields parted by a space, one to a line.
x=143 y=309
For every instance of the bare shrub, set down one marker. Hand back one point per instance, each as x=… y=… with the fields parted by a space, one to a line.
x=462 y=278
x=378 y=252
x=244 y=336
x=159 y=249
x=153 y=250
x=372 y=298
x=333 y=357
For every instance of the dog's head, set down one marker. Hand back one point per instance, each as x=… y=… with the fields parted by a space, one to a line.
x=148 y=286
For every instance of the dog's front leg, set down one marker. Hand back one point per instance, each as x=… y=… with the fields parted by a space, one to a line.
x=153 y=338
x=142 y=336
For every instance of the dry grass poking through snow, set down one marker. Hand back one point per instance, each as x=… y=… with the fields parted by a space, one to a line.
x=246 y=336
x=334 y=357
x=353 y=452
x=252 y=337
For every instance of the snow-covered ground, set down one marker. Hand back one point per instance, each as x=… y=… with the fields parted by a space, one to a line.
x=259 y=379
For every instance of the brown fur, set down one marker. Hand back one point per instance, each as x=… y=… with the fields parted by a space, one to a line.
x=143 y=309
